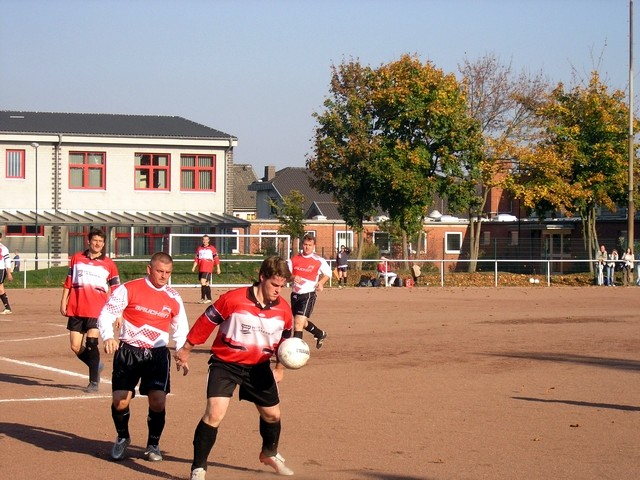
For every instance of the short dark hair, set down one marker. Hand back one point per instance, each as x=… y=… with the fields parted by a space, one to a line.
x=274 y=266
x=96 y=232
x=309 y=236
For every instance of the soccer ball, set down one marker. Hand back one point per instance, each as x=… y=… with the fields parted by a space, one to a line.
x=293 y=353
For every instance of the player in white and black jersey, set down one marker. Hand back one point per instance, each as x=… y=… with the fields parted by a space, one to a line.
x=5 y=274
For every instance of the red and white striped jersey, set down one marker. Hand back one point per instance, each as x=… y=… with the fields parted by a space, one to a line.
x=89 y=282
x=206 y=257
x=247 y=333
x=308 y=268
x=148 y=314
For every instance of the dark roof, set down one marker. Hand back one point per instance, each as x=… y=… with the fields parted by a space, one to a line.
x=326 y=209
x=105 y=124
x=111 y=218
x=243 y=198
x=297 y=178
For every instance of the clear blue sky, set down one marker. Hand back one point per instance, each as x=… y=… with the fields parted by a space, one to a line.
x=259 y=69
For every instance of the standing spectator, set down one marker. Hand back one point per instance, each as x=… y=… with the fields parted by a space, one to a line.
x=384 y=272
x=601 y=258
x=251 y=324
x=627 y=269
x=5 y=274
x=309 y=273
x=342 y=265
x=144 y=311
x=206 y=258
x=91 y=277
x=611 y=268
x=16 y=261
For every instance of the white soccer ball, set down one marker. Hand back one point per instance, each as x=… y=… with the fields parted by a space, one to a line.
x=293 y=353
x=532 y=280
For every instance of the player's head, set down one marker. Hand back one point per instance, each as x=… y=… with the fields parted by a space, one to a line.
x=205 y=240
x=96 y=237
x=159 y=269
x=274 y=274
x=308 y=244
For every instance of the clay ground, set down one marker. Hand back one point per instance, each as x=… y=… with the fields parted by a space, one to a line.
x=423 y=383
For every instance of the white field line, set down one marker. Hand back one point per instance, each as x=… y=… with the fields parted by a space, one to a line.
x=51 y=369
x=32 y=338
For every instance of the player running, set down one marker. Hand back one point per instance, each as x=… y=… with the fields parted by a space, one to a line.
x=309 y=272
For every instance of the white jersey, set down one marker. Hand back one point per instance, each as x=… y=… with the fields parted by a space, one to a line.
x=5 y=264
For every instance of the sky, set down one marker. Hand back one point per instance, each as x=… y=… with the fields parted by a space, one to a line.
x=258 y=70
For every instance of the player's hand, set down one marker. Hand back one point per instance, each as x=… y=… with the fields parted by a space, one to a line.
x=110 y=346
x=184 y=366
x=181 y=358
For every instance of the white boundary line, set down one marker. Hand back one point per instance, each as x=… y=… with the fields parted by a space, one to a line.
x=51 y=369
x=33 y=338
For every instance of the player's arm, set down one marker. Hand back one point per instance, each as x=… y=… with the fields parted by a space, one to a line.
x=64 y=301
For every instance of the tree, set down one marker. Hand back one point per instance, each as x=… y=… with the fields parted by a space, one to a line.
x=344 y=145
x=291 y=215
x=504 y=105
x=581 y=161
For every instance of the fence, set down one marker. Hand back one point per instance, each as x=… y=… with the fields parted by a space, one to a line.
x=243 y=271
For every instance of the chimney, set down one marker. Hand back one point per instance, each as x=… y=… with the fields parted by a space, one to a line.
x=269 y=173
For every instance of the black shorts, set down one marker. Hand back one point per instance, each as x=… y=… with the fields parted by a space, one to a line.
x=3 y=275
x=206 y=275
x=256 y=382
x=302 y=303
x=149 y=366
x=81 y=324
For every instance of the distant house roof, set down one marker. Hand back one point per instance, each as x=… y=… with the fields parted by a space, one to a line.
x=106 y=124
x=297 y=178
x=243 y=198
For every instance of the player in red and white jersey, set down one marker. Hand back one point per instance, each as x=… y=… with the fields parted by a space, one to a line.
x=91 y=277
x=310 y=272
x=145 y=311
x=251 y=324
x=206 y=259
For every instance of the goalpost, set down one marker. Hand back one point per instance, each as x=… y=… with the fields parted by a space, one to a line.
x=240 y=256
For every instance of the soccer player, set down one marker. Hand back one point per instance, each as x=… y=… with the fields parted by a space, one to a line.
x=310 y=272
x=91 y=277
x=206 y=258
x=251 y=321
x=144 y=311
x=5 y=274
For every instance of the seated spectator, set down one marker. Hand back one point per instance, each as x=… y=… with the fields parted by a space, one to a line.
x=383 y=272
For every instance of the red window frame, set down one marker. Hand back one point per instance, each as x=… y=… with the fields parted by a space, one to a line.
x=196 y=170
x=23 y=231
x=149 y=172
x=86 y=168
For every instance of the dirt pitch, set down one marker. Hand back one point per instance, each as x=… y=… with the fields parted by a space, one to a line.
x=423 y=383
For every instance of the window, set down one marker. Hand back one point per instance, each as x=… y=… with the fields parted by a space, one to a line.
x=452 y=242
x=152 y=171
x=382 y=240
x=268 y=245
x=486 y=238
x=344 y=238
x=197 y=172
x=24 y=230
x=87 y=170
x=15 y=164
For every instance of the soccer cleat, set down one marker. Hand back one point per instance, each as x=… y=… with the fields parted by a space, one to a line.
x=320 y=339
x=119 y=448
x=6 y=311
x=201 y=300
x=206 y=300
x=153 y=453
x=277 y=463
x=198 y=474
x=93 y=387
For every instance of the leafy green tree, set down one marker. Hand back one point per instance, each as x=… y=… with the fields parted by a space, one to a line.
x=344 y=145
x=581 y=161
x=290 y=215
x=428 y=142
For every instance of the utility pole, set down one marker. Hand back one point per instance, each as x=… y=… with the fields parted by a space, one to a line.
x=631 y=208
